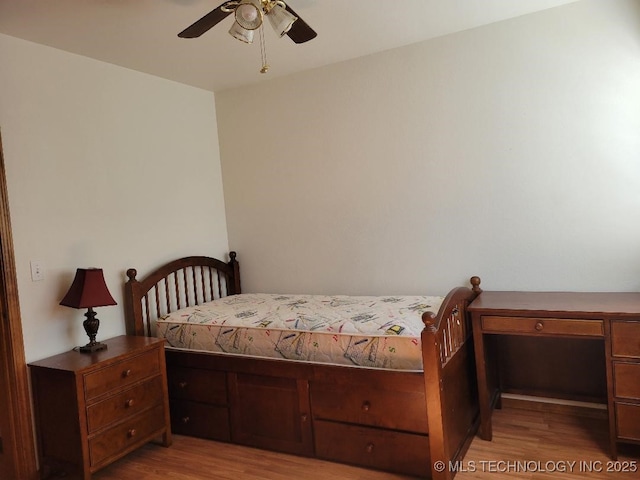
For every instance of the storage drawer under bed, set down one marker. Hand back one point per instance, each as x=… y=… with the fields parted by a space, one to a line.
x=381 y=449
x=369 y=406
x=199 y=385
x=200 y=420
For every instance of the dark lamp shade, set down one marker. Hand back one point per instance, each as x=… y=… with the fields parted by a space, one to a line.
x=88 y=290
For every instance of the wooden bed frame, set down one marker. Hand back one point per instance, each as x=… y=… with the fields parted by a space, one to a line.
x=402 y=422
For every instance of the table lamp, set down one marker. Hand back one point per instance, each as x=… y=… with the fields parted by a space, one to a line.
x=89 y=290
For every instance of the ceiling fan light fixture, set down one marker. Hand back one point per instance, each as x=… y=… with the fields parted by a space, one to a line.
x=281 y=20
x=242 y=34
x=249 y=14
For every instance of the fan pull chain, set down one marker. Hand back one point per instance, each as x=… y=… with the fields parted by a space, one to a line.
x=263 y=52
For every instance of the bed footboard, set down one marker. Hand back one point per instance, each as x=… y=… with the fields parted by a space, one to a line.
x=450 y=382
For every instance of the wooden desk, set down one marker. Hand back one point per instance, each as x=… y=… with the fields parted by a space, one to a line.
x=612 y=317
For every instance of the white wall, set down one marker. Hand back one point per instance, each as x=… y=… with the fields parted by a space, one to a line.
x=106 y=167
x=511 y=151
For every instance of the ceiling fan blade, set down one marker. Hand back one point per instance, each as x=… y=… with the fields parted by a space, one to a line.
x=300 y=31
x=205 y=23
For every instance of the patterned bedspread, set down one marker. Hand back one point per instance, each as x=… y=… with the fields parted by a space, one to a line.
x=378 y=332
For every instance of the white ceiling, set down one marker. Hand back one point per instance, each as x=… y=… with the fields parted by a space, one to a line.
x=142 y=34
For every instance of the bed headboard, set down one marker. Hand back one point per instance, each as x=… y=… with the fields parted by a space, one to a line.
x=181 y=283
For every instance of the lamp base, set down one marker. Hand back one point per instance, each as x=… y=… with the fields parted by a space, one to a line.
x=91 y=325
x=93 y=347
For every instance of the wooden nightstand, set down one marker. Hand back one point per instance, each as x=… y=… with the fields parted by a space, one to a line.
x=91 y=409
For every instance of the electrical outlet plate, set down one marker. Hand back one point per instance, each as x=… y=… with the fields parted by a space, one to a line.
x=37 y=271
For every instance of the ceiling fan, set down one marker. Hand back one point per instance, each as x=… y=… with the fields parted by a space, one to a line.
x=249 y=16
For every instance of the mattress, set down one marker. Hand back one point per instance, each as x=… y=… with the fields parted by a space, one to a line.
x=363 y=331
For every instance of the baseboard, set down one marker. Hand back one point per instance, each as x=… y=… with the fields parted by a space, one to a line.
x=555 y=405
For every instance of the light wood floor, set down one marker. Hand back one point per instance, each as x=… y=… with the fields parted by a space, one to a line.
x=540 y=441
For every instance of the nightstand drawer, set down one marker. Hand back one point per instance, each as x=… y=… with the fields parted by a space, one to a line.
x=121 y=374
x=403 y=452
x=127 y=403
x=369 y=406
x=625 y=338
x=543 y=326
x=125 y=436
x=628 y=421
x=626 y=377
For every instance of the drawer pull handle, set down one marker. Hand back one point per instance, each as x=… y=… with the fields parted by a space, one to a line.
x=370 y=447
x=539 y=326
x=131 y=433
x=185 y=420
x=126 y=373
x=129 y=403
x=183 y=384
x=304 y=417
x=366 y=406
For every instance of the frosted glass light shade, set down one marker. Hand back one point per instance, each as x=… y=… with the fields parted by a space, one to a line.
x=281 y=20
x=242 y=34
x=249 y=14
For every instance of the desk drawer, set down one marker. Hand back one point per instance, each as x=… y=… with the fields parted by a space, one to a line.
x=543 y=326
x=627 y=380
x=374 y=448
x=628 y=421
x=625 y=338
